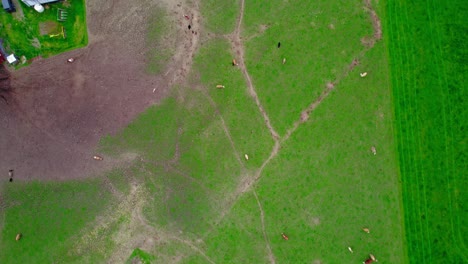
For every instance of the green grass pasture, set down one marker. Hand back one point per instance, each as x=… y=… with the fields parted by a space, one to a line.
x=49 y=215
x=319 y=39
x=428 y=52
x=219 y=16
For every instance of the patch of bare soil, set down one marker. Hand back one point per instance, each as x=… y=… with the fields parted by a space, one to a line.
x=53 y=113
x=48 y=27
x=376 y=25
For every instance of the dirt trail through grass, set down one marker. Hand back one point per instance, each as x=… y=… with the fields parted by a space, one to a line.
x=329 y=87
x=237 y=45
x=226 y=130
x=239 y=48
x=265 y=236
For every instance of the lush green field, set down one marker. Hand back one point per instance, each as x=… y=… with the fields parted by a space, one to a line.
x=318 y=39
x=219 y=16
x=428 y=51
x=23 y=37
x=50 y=217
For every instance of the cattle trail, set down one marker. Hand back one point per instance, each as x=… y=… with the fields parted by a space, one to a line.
x=238 y=47
x=271 y=256
x=225 y=128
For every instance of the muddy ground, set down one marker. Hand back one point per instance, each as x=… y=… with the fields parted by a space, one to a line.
x=54 y=113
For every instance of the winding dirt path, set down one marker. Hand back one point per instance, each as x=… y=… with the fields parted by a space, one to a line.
x=329 y=87
x=226 y=129
x=248 y=183
x=271 y=256
x=238 y=47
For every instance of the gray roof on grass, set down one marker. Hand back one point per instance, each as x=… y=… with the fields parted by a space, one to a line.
x=35 y=2
x=7 y=4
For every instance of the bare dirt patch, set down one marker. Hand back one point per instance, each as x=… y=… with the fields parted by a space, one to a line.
x=48 y=27
x=376 y=25
x=57 y=111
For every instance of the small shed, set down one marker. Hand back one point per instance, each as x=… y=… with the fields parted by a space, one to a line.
x=8 y=6
x=12 y=59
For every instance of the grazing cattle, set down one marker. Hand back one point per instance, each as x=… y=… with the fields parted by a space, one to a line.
x=363 y=74
x=186 y=17
x=234 y=62
x=285 y=237
x=370 y=260
x=189 y=26
x=284 y=60
x=279 y=45
x=10 y=174
x=374 y=150
x=97 y=157
x=350 y=250
x=246 y=156
x=18 y=236
x=70 y=60
x=219 y=86
x=365 y=229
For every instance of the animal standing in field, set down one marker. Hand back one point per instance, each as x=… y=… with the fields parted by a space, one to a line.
x=18 y=236
x=70 y=60
x=219 y=86
x=284 y=60
x=246 y=156
x=285 y=237
x=365 y=229
x=363 y=74
x=10 y=174
x=370 y=260
x=350 y=250
x=374 y=150
x=234 y=62
x=279 y=45
x=97 y=157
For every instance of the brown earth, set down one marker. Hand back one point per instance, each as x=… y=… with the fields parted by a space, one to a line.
x=54 y=113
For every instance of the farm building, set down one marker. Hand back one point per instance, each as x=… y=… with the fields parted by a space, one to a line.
x=8 y=6
x=3 y=53
x=32 y=3
x=11 y=58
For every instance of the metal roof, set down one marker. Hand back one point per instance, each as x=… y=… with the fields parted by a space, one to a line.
x=7 y=4
x=35 y=2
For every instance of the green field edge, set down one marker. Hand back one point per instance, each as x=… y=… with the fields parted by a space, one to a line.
x=386 y=37
x=407 y=125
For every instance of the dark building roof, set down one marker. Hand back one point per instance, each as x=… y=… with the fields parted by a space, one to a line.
x=8 y=5
x=35 y=2
x=2 y=50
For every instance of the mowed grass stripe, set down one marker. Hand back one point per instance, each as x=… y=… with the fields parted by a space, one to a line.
x=411 y=225
x=411 y=167
x=435 y=36
x=448 y=119
x=424 y=114
x=416 y=155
